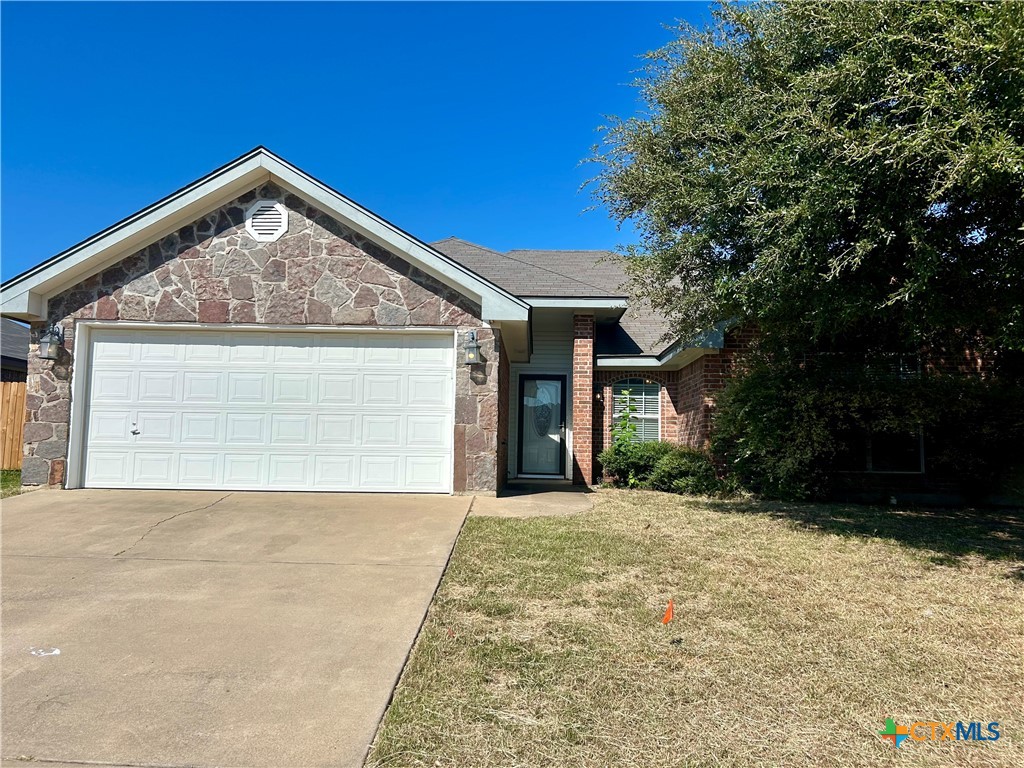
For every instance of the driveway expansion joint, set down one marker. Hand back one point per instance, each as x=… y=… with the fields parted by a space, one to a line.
x=100 y=763
x=166 y=520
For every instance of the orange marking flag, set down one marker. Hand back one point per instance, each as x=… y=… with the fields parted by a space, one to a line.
x=668 y=613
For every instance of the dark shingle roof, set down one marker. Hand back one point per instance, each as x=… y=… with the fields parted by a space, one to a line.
x=570 y=274
x=541 y=273
x=640 y=331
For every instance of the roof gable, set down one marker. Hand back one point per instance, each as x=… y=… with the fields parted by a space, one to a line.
x=25 y=296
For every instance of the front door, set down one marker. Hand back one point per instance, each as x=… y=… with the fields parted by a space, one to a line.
x=542 y=425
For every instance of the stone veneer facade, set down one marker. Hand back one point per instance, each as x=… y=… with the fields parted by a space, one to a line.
x=319 y=273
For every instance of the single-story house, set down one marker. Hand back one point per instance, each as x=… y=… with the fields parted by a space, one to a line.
x=258 y=330
x=13 y=350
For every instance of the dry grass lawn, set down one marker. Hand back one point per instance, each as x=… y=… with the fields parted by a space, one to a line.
x=798 y=629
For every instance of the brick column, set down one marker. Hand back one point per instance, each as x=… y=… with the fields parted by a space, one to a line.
x=583 y=399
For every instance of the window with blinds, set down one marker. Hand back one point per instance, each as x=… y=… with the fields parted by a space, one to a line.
x=645 y=397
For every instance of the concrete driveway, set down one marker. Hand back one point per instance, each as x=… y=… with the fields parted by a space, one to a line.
x=202 y=628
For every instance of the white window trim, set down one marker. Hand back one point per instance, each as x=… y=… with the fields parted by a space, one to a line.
x=630 y=383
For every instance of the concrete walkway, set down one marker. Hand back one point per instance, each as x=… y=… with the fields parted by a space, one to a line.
x=536 y=498
x=202 y=628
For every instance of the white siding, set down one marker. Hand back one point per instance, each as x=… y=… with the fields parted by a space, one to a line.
x=552 y=354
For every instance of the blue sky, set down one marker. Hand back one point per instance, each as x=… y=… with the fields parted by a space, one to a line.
x=446 y=118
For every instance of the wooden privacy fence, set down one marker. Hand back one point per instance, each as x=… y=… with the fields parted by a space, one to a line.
x=12 y=423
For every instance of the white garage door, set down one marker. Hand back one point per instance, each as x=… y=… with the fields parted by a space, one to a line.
x=269 y=410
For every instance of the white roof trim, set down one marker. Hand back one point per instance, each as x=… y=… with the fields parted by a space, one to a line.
x=25 y=296
x=676 y=356
x=568 y=302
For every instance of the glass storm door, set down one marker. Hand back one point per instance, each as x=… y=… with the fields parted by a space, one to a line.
x=541 y=425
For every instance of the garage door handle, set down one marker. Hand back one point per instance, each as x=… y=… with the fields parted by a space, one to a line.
x=136 y=432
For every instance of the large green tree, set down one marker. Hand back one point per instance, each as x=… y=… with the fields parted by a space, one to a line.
x=831 y=170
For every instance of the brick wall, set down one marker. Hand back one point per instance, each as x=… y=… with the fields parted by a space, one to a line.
x=603 y=408
x=687 y=395
x=583 y=399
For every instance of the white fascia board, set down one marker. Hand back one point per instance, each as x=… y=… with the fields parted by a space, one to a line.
x=568 y=302
x=673 y=362
x=113 y=244
x=676 y=356
x=628 y=362
x=496 y=304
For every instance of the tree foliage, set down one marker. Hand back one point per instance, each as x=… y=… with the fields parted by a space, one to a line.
x=831 y=169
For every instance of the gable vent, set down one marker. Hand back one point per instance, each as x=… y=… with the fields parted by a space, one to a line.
x=266 y=221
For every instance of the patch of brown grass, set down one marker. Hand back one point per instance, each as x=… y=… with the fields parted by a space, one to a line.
x=798 y=630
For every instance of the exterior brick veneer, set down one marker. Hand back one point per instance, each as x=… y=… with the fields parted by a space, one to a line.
x=319 y=273
x=687 y=395
x=583 y=399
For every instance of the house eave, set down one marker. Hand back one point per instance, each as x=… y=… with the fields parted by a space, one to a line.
x=679 y=354
x=576 y=302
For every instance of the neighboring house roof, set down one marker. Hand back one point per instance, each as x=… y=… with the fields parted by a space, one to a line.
x=13 y=345
x=25 y=296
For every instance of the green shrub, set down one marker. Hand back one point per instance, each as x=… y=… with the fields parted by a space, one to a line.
x=685 y=470
x=779 y=430
x=631 y=464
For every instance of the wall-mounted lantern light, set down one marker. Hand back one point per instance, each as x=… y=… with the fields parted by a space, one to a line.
x=50 y=342
x=472 y=349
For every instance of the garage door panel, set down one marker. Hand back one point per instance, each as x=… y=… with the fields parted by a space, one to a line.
x=425 y=471
x=245 y=470
x=429 y=432
x=109 y=468
x=294 y=348
x=200 y=387
x=381 y=430
x=290 y=429
x=156 y=427
x=199 y=468
x=428 y=390
x=336 y=473
x=293 y=388
x=338 y=349
x=157 y=387
x=112 y=386
x=109 y=426
x=247 y=388
x=379 y=472
x=245 y=429
x=336 y=429
x=248 y=348
x=288 y=471
x=378 y=349
x=337 y=389
x=200 y=427
x=155 y=347
x=267 y=410
x=205 y=346
x=154 y=468
x=430 y=352
x=382 y=389
x=117 y=349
